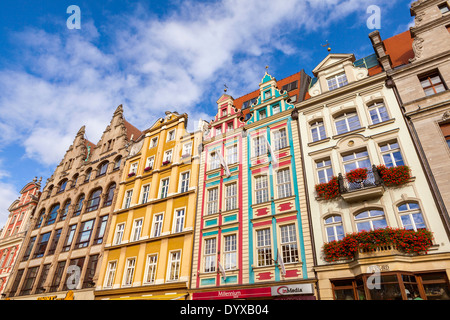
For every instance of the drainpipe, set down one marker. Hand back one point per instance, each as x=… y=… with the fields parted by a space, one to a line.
x=423 y=160
x=294 y=116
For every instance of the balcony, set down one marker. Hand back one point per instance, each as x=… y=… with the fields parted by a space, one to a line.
x=369 y=186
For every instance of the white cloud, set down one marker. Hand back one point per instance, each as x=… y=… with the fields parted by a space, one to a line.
x=151 y=65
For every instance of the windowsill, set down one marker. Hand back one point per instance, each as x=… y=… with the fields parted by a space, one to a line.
x=379 y=124
x=339 y=136
x=314 y=143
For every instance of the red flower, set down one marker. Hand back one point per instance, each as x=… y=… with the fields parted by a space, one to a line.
x=356 y=175
x=328 y=190
x=394 y=176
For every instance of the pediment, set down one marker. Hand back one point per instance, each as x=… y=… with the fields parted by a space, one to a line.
x=331 y=60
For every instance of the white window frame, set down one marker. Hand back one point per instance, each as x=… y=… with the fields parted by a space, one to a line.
x=110 y=274
x=163 y=187
x=174 y=263
x=212 y=200
x=263 y=242
x=154 y=142
x=171 y=135
x=376 y=111
x=389 y=151
x=214 y=161
x=333 y=222
x=284 y=186
x=345 y=117
x=128 y=274
x=279 y=139
x=151 y=268
x=118 y=234
x=261 y=189
x=145 y=193
x=231 y=196
x=318 y=130
x=259 y=146
x=339 y=80
x=150 y=162
x=127 y=199
x=184 y=183
x=187 y=149
x=157 y=225
x=134 y=167
x=168 y=156
x=210 y=255
x=230 y=251
x=232 y=154
x=288 y=243
x=179 y=220
x=137 y=229
x=324 y=165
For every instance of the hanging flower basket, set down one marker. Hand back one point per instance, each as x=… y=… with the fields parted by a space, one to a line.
x=406 y=241
x=356 y=175
x=394 y=176
x=328 y=190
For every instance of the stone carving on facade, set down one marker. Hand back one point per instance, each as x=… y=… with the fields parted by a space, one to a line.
x=446 y=115
x=417 y=48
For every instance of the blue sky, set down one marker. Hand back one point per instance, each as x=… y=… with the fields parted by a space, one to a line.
x=152 y=56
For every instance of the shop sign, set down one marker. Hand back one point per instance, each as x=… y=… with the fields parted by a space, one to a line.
x=69 y=296
x=232 y=294
x=305 y=288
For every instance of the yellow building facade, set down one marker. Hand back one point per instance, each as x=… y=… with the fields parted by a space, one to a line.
x=149 y=249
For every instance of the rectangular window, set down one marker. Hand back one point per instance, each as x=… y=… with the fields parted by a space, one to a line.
x=290 y=86
x=262 y=114
x=29 y=281
x=137 y=228
x=151 y=268
x=248 y=103
x=41 y=245
x=261 y=189
x=129 y=272
x=69 y=238
x=133 y=167
x=432 y=83
x=90 y=272
x=29 y=248
x=178 y=223
x=167 y=157
x=214 y=161
x=40 y=286
x=443 y=8
x=263 y=247
x=184 y=182
x=55 y=241
x=324 y=170
x=210 y=255
x=110 y=274
x=212 y=204
x=347 y=122
x=232 y=154
x=154 y=142
x=171 y=135
x=318 y=131
x=145 y=191
x=356 y=160
x=119 y=233
x=57 y=277
x=84 y=235
x=392 y=156
x=259 y=146
x=280 y=139
x=378 y=112
x=149 y=163
x=174 y=265
x=187 y=149
x=337 y=81
x=276 y=109
x=157 y=225
x=16 y=283
x=231 y=196
x=128 y=196
x=71 y=280
x=230 y=252
x=164 y=188
x=284 y=183
x=101 y=228
x=289 y=249
x=230 y=126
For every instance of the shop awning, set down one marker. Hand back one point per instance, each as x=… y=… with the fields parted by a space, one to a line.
x=178 y=296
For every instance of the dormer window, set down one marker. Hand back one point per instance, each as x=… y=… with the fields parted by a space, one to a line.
x=218 y=130
x=337 y=81
x=224 y=112
x=443 y=8
x=171 y=135
x=248 y=103
x=267 y=94
x=262 y=114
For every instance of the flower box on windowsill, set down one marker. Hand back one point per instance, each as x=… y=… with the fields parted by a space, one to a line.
x=131 y=174
x=328 y=190
x=186 y=155
x=148 y=168
x=394 y=176
x=165 y=163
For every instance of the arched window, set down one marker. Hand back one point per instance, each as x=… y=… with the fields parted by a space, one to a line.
x=62 y=185
x=411 y=216
x=74 y=180
x=53 y=214
x=102 y=169
x=347 y=122
x=49 y=191
x=94 y=200
x=318 y=131
x=79 y=206
x=334 y=228
x=117 y=162
x=88 y=175
x=370 y=220
x=110 y=195
x=40 y=218
x=65 y=210
x=378 y=112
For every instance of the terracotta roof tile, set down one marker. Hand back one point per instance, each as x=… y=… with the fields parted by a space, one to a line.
x=399 y=48
x=132 y=131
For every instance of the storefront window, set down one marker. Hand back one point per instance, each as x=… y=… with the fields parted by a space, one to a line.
x=389 y=289
x=436 y=286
